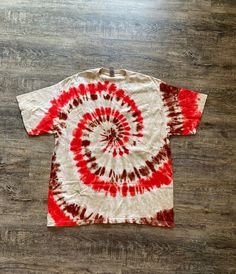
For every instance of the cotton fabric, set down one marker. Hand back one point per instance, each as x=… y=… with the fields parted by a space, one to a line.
x=112 y=160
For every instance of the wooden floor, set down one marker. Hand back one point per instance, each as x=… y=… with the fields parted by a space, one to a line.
x=186 y=43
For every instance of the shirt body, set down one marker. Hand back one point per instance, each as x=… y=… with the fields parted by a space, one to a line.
x=112 y=160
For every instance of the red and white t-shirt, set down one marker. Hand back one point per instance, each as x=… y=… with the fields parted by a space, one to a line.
x=112 y=160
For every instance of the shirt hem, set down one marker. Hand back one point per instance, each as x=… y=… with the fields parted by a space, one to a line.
x=156 y=223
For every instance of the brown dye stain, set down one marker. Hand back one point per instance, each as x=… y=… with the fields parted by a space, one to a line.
x=73 y=209
x=92 y=159
x=110 y=173
x=139 y=127
x=106 y=97
x=85 y=143
x=62 y=116
x=131 y=176
x=102 y=171
x=123 y=175
x=82 y=213
x=75 y=102
x=150 y=165
x=94 y=166
x=97 y=171
x=88 y=153
x=136 y=172
x=144 y=170
x=94 y=96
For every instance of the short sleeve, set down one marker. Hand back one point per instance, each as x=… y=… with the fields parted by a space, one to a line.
x=35 y=107
x=184 y=108
x=39 y=108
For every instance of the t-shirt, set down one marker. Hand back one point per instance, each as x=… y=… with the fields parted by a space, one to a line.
x=112 y=160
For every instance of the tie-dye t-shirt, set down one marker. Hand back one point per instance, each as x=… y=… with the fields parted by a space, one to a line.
x=112 y=160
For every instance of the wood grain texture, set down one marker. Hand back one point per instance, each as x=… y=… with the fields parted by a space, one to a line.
x=186 y=43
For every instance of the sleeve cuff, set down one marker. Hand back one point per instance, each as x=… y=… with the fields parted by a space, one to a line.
x=25 y=112
x=201 y=104
x=202 y=101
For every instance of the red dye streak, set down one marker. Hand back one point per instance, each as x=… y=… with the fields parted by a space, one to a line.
x=124 y=189
x=162 y=176
x=57 y=213
x=132 y=190
x=88 y=118
x=159 y=177
x=188 y=101
x=46 y=123
x=92 y=179
x=164 y=218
